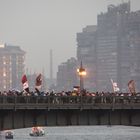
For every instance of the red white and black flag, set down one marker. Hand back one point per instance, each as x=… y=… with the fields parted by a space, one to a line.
x=25 y=83
x=38 y=83
x=131 y=86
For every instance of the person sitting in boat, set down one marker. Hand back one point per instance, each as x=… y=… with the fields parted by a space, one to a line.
x=37 y=131
x=9 y=134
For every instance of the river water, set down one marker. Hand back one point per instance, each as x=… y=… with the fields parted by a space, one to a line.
x=81 y=133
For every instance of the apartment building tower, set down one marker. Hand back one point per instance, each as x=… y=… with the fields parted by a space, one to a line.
x=11 y=67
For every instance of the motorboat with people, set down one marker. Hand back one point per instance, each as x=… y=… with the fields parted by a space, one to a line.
x=37 y=131
x=9 y=134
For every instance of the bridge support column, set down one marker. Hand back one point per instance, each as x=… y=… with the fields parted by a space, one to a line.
x=34 y=118
x=120 y=117
x=130 y=117
x=77 y=117
x=88 y=119
x=68 y=115
x=98 y=118
x=45 y=117
x=24 y=115
x=1 y=121
x=109 y=117
x=56 y=118
x=13 y=119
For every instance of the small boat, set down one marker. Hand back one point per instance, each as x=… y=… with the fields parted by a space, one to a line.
x=9 y=134
x=37 y=131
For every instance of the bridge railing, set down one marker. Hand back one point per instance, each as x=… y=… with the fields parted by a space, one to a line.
x=62 y=100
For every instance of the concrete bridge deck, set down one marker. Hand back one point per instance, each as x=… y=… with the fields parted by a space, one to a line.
x=28 y=111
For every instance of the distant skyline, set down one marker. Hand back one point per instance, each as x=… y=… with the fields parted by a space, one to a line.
x=38 y=26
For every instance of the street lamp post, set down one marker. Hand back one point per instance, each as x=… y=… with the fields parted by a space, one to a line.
x=81 y=71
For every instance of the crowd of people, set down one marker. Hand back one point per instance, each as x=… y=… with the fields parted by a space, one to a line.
x=15 y=92
x=71 y=97
x=41 y=93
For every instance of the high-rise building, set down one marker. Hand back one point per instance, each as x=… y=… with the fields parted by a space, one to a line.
x=112 y=51
x=67 y=75
x=11 y=66
x=134 y=45
x=86 y=52
x=118 y=47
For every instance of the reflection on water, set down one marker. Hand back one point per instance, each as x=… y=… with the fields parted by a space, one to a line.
x=81 y=133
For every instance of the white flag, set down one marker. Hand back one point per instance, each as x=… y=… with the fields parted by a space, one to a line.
x=38 y=83
x=115 y=86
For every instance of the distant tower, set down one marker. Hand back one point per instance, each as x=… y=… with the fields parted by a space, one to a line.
x=51 y=67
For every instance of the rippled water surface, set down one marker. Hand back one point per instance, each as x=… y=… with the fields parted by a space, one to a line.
x=81 y=133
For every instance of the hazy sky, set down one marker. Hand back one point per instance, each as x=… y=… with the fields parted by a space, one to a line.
x=40 y=25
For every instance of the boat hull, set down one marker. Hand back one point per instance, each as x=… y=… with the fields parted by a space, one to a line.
x=36 y=135
x=8 y=137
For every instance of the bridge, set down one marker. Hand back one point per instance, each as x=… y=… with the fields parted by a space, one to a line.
x=27 y=111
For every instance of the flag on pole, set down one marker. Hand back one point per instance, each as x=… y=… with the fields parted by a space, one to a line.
x=25 y=83
x=131 y=86
x=38 y=83
x=115 y=86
